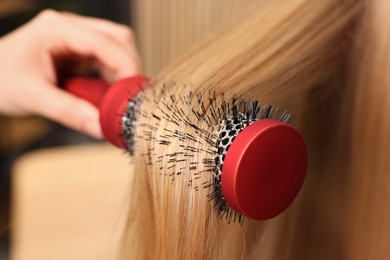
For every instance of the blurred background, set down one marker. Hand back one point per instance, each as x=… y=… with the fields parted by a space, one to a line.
x=19 y=136
x=54 y=181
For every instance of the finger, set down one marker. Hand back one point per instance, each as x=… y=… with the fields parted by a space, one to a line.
x=70 y=37
x=121 y=33
x=65 y=109
x=11 y=108
x=121 y=61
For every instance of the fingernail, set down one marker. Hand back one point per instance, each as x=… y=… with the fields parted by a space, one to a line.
x=93 y=128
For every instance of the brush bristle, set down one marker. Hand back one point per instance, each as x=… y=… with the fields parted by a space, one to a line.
x=128 y=121
x=213 y=121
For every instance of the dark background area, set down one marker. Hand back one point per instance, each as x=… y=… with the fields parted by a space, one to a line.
x=115 y=10
x=48 y=134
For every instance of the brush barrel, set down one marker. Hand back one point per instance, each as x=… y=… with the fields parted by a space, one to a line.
x=111 y=100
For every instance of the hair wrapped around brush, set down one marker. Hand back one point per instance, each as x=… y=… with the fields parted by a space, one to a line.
x=299 y=56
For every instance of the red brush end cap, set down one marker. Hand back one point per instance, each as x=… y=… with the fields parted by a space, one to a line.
x=113 y=107
x=264 y=169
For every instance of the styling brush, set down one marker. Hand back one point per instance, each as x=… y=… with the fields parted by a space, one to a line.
x=257 y=162
x=116 y=104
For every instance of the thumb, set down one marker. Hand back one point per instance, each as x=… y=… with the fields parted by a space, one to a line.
x=67 y=110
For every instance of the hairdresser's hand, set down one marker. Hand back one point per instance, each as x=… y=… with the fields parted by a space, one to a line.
x=30 y=55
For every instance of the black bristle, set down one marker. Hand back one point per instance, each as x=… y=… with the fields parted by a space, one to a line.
x=211 y=121
x=268 y=112
x=255 y=109
x=234 y=110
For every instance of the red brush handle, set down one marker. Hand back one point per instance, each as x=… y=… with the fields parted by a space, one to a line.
x=88 y=88
x=111 y=100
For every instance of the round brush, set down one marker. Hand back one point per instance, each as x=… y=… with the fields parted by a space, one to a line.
x=257 y=161
x=262 y=168
x=115 y=104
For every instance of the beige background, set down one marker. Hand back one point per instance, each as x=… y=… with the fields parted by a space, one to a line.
x=70 y=203
x=166 y=29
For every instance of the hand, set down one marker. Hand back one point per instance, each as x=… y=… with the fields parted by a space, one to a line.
x=30 y=54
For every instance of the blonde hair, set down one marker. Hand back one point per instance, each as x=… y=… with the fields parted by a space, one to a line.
x=324 y=61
